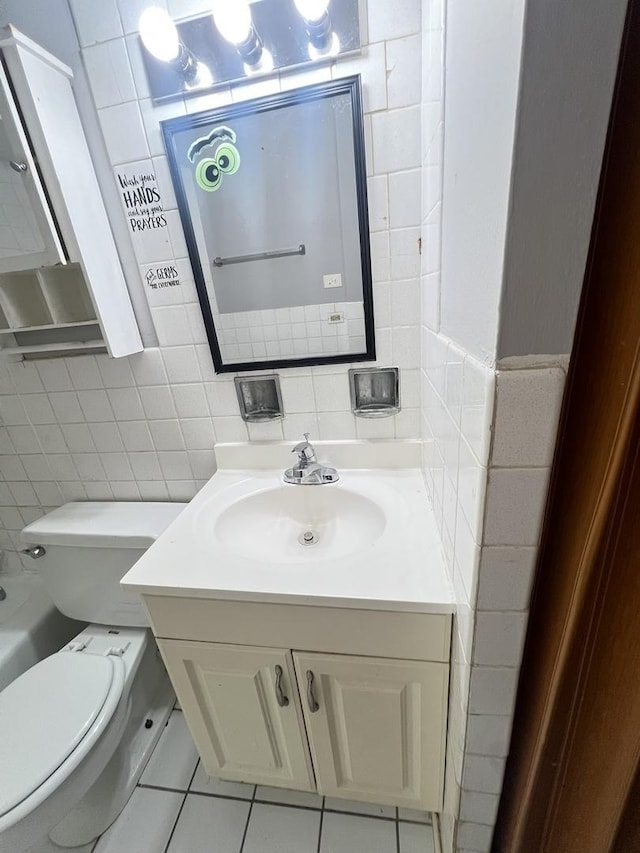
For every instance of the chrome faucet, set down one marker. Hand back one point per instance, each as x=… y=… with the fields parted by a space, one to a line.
x=307 y=471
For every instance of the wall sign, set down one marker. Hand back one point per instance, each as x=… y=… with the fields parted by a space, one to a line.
x=162 y=277
x=141 y=200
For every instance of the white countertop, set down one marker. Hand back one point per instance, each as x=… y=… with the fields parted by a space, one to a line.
x=402 y=570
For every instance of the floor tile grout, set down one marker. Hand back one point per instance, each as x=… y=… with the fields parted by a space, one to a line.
x=246 y=827
x=196 y=793
x=175 y=823
x=361 y=814
x=264 y=802
x=193 y=775
x=256 y=798
x=320 y=827
x=289 y=805
x=261 y=801
x=182 y=804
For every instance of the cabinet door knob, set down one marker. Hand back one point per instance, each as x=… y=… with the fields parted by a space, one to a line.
x=283 y=700
x=311 y=699
x=18 y=167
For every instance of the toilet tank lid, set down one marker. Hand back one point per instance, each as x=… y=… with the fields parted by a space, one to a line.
x=101 y=524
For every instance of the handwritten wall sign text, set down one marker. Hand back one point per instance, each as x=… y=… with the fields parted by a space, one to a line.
x=161 y=277
x=141 y=201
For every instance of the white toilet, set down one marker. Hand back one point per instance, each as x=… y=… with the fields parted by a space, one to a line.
x=77 y=729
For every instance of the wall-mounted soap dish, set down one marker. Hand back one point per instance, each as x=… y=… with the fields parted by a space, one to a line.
x=375 y=391
x=259 y=398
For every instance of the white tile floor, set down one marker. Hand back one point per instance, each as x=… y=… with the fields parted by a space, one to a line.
x=176 y=808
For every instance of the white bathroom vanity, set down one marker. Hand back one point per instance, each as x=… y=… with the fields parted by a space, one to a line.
x=306 y=629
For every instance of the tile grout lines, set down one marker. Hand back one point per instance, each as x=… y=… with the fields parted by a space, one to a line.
x=249 y=813
x=256 y=799
x=285 y=805
x=320 y=827
x=184 y=800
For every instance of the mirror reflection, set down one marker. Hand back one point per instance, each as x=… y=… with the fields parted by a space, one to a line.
x=272 y=196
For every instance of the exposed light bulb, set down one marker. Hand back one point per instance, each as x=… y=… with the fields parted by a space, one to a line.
x=332 y=49
x=264 y=66
x=159 y=34
x=233 y=19
x=202 y=79
x=312 y=10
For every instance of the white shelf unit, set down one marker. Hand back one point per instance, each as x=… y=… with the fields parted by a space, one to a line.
x=74 y=295
x=66 y=294
x=47 y=311
x=22 y=301
x=60 y=349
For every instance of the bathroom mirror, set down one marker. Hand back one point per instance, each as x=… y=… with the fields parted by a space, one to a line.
x=272 y=197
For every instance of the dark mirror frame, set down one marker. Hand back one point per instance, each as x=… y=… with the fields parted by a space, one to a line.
x=346 y=85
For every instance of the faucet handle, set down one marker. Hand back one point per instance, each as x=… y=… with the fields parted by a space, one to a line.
x=304 y=449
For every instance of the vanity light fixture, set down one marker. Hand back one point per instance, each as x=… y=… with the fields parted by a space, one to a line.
x=236 y=40
x=160 y=37
x=235 y=24
x=317 y=18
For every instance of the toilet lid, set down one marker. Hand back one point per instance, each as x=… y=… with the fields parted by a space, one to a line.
x=44 y=715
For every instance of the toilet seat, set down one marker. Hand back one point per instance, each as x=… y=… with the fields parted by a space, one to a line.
x=58 y=708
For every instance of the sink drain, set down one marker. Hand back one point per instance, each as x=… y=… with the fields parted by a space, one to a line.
x=308 y=537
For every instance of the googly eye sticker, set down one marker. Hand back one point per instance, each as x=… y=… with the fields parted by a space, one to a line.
x=225 y=160
x=228 y=158
x=208 y=174
x=218 y=134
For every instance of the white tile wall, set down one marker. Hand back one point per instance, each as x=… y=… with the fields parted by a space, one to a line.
x=526 y=419
x=456 y=479
x=143 y=427
x=497 y=498
x=283 y=333
x=478 y=808
x=488 y=445
x=515 y=501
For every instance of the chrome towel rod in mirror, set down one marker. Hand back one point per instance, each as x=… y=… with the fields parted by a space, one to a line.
x=260 y=256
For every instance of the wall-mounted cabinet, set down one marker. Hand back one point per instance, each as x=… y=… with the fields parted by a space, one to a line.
x=28 y=233
x=61 y=283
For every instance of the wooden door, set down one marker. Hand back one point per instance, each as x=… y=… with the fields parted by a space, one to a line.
x=376 y=727
x=571 y=784
x=242 y=708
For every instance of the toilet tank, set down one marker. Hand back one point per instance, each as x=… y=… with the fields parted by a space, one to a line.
x=88 y=548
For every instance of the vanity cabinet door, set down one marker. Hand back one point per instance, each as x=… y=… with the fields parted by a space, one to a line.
x=243 y=710
x=376 y=727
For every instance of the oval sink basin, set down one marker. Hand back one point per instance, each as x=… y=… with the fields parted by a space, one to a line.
x=299 y=523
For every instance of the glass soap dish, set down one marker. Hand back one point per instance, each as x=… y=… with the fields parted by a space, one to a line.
x=259 y=398
x=375 y=391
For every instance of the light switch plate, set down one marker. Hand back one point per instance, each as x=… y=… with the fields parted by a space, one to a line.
x=332 y=280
